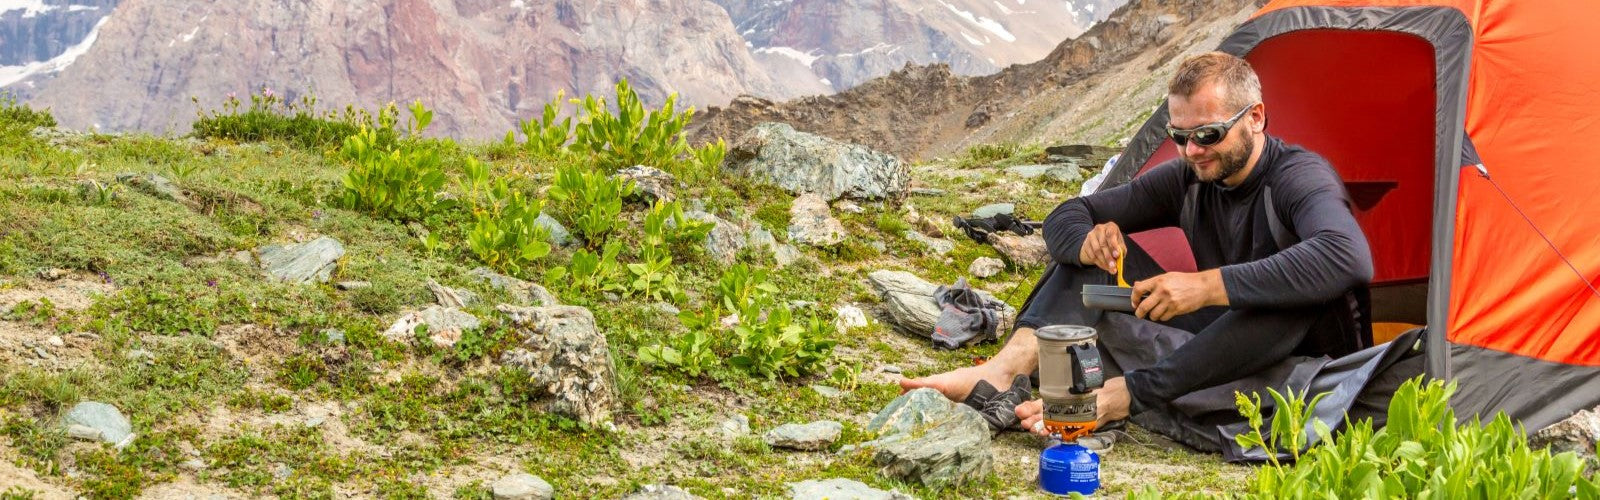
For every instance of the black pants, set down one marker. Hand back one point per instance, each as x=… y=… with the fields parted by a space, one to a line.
x=1209 y=347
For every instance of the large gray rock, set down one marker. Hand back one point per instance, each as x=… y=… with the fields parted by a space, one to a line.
x=813 y=436
x=800 y=162
x=525 y=293
x=927 y=438
x=661 y=492
x=157 y=186
x=96 y=421
x=840 y=489
x=559 y=235
x=445 y=325
x=1021 y=251
x=567 y=357
x=811 y=222
x=1060 y=173
x=783 y=253
x=993 y=209
x=910 y=303
x=653 y=184
x=522 y=486
x=306 y=262
x=1578 y=434
x=725 y=239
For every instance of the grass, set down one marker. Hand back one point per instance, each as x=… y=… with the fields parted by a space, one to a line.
x=213 y=339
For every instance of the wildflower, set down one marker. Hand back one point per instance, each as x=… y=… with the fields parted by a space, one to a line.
x=211 y=282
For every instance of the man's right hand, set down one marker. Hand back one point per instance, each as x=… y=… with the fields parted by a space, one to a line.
x=1102 y=247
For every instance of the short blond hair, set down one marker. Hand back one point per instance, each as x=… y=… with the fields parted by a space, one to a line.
x=1240 y=84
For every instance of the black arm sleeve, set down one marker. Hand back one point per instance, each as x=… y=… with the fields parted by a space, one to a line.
x=1331 y=257
x=1150 y=201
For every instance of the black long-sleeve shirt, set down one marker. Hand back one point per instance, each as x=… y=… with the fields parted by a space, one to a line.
x=1230 y=229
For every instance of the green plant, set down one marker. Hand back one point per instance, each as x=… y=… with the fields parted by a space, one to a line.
x=272 y=117
x=20 y=116
x=691 y=353
x=707 y=161
x=1422 y=452
x=546 y=137
x=590 y=272
x=892 y=224
x=506 y=234
x=400 y=183
x=590 y=201
x=634 y=135
x=777 y=345
x=97 y=193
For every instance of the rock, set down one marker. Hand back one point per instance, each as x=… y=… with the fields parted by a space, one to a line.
x=840 y=489
x=522 y=486
x=52 y=274
x=352 y=285
x=523 y=292
x=922 y=223
x=984 y=267
x=193 y=465
x=725 y=239
x=813 y=436
x=1578 y=434
x=848 y=206
x=302 y=262
x=890 y=369
x=559 y=235
x=936 y=245
x=811 y=223
x=55 y=341
x=661 y=492
x=451 y=297
x=281 y=471
x=800 y=162
x=849 y=317
x=783 y=254
x=826 y=391
x=666 y=308
x=566 y=357
x=910 y=302
x=993 y=209
x=1021 y=251
x=1061 y=173
x=445 y=325
x=735 y=426
x=927 y=192
x=929 y=439
x=1073 y=150
x=96 y=421
x=653 y=183
x=157 y=186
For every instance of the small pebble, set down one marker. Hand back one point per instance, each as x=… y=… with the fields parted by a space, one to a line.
x=55 y=341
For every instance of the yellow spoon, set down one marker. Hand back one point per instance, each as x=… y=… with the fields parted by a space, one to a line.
x=1121 y=282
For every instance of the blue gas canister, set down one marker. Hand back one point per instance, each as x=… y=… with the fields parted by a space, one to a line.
x=1069 y=468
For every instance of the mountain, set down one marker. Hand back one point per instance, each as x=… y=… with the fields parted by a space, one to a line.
x=485 y=64
x=1094 y=89
x=846 y=42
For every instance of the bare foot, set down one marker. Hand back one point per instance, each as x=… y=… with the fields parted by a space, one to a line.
x=1112 y=401
x=956 y=384
x=1032 y=415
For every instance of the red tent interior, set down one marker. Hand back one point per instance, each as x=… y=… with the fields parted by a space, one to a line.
x=1365 y=101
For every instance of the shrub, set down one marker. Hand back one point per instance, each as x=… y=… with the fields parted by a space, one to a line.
x=768 y=340
x=1421 y=452
x=21 y=117
x=506 y=234
x=271 y=117
x=400 y=182
x=589 y=272
x=546 y=137
x=589 y=201
x=634 y=135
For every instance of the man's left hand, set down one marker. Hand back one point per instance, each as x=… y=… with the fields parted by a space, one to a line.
x=1175 y=294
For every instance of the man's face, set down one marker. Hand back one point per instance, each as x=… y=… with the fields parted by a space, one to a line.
x=1223 y=159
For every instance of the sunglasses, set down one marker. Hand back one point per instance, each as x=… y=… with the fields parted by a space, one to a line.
x=1206 y=135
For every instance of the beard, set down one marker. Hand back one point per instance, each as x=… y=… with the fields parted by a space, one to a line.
x=1229 y=161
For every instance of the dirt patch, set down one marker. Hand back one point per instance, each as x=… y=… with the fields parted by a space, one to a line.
x=23 y=480
x=73 y=291
x=185 y=486
x=30 y=341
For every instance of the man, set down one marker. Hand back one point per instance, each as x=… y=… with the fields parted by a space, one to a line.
x=1283 y=263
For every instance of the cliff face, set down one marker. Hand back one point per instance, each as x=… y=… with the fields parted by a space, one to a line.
x=40 y=30
x=481 y=64
x=1090 y=89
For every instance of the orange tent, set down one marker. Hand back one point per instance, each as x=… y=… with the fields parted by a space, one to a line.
x=1462 y=130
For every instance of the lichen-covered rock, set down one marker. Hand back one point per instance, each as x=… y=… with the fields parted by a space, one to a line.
x=96 y=421
x=1578 y=434
x=567 y=357
x=929 y=439
x=306 y=262
x=725 y=239
x=451 y=297
x=653 y=183
x=525 y=293
x=800 y=162
x=840 y=489
x=445 y=325
x=983 y=267
x=813 y=436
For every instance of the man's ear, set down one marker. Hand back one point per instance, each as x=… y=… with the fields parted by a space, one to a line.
x=1258 y=118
